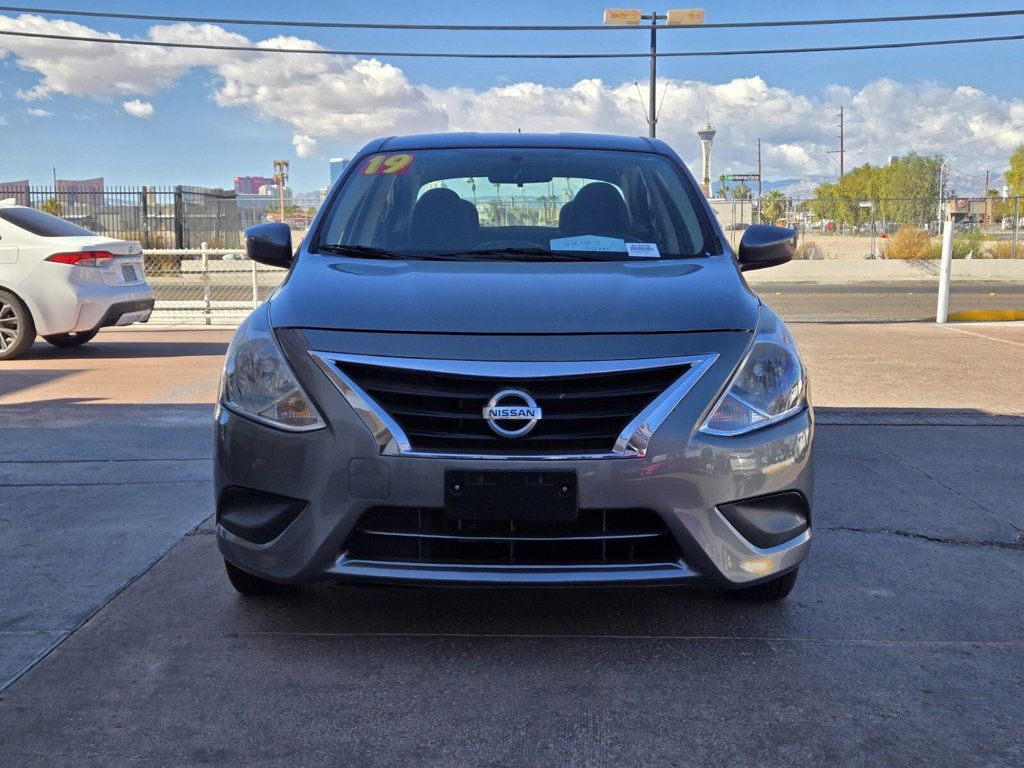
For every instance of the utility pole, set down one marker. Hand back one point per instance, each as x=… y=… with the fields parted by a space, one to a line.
x=842 y=147
x=281 y=178
x=631 y=18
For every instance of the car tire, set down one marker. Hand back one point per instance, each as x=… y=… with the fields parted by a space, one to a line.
x=17 y=329
x=769 y=591
x=70 y=339
x=247 y=584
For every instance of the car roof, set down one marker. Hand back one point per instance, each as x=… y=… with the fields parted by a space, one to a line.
x=544 y=140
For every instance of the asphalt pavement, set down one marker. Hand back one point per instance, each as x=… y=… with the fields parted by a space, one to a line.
x=884 y=302
x=902 y=644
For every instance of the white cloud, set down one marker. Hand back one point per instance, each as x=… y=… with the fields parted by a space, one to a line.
x=304 y=145
x=138 y=108
x=339 y=102
x=36 y=112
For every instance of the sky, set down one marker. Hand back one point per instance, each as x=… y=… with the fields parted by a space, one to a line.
x=161 y=116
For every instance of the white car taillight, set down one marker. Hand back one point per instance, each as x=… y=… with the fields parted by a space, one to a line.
x=83 y=258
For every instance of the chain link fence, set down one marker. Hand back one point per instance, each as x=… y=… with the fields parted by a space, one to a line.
x=885 y=228
x=207 y=285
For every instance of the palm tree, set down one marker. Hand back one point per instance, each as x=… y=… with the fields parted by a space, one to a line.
x=472 y=185
x=773 y=206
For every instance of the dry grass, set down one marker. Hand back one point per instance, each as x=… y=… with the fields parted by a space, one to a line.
x=908 y=243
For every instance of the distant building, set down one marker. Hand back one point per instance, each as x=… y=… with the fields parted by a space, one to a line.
x=250 y=185
x=338 y=165
x=18 y=190
x=271 y=190
x=706 y=136
x=72 y=192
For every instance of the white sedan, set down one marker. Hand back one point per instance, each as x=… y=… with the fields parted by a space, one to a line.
x=63 y=282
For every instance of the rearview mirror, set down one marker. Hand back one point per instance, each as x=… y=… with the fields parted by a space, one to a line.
x=270 y=244
x=766 y=246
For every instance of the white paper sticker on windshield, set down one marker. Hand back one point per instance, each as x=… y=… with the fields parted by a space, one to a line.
x=588 y=243
x=643 y=250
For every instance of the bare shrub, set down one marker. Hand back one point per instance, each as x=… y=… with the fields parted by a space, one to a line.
x=1004 y=250
x=907 y=243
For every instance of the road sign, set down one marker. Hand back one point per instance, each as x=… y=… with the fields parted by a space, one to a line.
x=742 y=176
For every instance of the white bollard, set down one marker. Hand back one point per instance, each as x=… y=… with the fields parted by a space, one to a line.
x=945 y=268
x=205 y=261
x=255 y=287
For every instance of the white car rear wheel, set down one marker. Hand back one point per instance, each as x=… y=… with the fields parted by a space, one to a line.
x=17 y=331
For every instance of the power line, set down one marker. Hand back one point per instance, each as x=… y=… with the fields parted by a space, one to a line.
x=435 y=55
x=510 y=27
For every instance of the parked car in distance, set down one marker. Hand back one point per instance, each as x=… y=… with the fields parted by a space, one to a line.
x=577 y=388
x=62 y=282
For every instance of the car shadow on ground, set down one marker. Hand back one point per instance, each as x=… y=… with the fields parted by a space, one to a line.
x=99 y=349
x=15 y=381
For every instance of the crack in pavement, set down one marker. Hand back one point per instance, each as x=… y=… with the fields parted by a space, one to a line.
x=1013 y=545
x=937 y=481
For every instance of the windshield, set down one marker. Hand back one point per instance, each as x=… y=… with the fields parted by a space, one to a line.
x=516 y=203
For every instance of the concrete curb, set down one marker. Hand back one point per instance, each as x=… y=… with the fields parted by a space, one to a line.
x=987 y=315
x=909 y=270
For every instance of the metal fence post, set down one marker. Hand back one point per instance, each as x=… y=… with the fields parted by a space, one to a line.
x=255 y=288
x=1016 y=227
x=945 y=268
x=144 y=216
x=179 y=218
x=206 y=282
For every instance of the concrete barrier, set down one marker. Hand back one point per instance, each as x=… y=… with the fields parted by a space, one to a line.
x=909 y=270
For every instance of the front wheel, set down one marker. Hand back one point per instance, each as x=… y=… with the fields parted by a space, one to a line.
x=17 y=331
x=70 y=339
x=247 y=584
x=768 y=591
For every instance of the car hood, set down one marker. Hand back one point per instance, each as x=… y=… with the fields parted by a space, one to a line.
x=510 y=297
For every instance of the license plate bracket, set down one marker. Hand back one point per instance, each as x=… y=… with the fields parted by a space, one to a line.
x=128 y=273
x=511 y=495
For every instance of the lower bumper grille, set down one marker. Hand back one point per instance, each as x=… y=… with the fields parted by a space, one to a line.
x=597 y=537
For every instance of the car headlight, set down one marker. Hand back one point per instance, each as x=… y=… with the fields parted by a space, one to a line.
x=769 y=386
x=259 y=383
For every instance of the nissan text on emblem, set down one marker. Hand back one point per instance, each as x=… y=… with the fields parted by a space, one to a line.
x=509 y=408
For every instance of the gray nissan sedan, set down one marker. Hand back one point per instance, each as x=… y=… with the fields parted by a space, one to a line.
x=526 y=360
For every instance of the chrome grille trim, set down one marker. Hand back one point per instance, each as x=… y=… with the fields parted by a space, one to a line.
x=632 y=442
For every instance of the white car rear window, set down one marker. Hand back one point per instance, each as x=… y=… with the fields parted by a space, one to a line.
x=42 y=224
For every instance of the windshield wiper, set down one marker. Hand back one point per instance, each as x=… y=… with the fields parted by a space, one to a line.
x=519 y=254
x=365 y=251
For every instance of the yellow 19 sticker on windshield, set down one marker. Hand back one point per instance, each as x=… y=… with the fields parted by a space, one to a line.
x=388 y=164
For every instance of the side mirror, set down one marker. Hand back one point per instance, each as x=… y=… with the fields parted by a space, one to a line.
x=270 y=244
x=766 y=246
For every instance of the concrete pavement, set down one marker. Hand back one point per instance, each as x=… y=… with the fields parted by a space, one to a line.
x=902 y=644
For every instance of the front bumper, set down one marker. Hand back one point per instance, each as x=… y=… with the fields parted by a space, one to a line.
x=339 y=475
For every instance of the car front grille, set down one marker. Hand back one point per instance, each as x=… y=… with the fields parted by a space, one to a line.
x=442 y=412
x=596 y=537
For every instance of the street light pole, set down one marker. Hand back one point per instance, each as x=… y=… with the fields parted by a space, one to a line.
x=631 y=18
x=941 y=168
x=652 y=114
